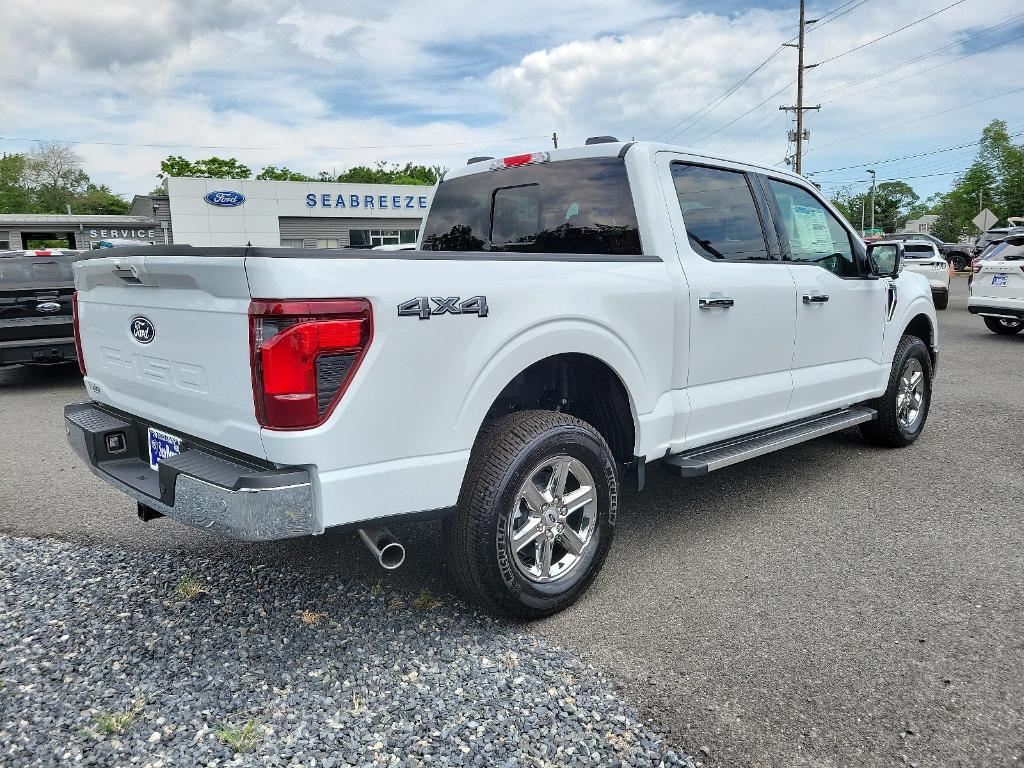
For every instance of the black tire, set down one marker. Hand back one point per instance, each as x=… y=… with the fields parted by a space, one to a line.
x=1004 y=327
x=479 y=550
x=887 y=429
x=958 y=260
x=941 y=299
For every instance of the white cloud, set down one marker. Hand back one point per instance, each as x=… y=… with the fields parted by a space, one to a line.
x=249 y=73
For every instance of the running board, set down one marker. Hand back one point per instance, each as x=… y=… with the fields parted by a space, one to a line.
x=708 y=458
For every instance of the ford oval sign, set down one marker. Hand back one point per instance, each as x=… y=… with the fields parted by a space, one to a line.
x=48 y=307
x=142 y=329
x=225 y=199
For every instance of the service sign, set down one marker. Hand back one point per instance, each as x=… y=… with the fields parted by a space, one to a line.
x=125 y=234
x=225 y=198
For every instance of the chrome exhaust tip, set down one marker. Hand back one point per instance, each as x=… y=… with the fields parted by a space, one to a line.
x=384 y=546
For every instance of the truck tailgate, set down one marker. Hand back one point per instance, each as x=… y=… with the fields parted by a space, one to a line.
x=166 y=337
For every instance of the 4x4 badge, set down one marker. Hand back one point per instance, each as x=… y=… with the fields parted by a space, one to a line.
x=420 y=306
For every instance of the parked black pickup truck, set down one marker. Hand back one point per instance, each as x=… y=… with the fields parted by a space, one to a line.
x=36 y=323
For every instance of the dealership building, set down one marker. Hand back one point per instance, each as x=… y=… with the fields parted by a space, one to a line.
x=295 y=214
x=29 y=230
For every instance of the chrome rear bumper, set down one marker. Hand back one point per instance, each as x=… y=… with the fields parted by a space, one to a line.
x=242 y=498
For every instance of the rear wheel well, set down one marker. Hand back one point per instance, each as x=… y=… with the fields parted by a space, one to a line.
x=921 y=327
x=579 y=385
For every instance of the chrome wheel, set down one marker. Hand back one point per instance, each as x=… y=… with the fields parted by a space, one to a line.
x=552 y=525
x=1008 y=323
x=910 y=396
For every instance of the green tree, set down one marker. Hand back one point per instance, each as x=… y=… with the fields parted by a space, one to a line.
x=385 y=173
x=208 y=168
x=894 y=201
x=995 y=180
x=925 y=207
x=14 y=192
x=960 y=204
x=98 y=199
x=273 y=173
x=55 y=177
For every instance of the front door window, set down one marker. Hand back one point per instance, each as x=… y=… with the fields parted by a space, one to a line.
x=815 y=236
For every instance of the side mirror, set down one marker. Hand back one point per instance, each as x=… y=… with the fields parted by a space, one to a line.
x=885 y=259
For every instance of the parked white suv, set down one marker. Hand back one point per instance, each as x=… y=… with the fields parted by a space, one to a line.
x=997 y=287
x=923 y=257
x=571 y=316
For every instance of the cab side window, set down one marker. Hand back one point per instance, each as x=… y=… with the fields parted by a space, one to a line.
x=722 y=223
x=815 y=236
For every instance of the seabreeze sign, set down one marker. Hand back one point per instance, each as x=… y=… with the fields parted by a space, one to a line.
x=225 y=199
x=366 y=201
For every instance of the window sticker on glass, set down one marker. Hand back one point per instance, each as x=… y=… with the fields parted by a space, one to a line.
x=812 y=231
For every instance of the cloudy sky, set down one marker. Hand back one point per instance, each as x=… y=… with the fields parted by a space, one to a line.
x=323 y=84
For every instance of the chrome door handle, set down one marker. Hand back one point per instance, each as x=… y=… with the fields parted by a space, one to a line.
x=815 y=298
x=716 y=302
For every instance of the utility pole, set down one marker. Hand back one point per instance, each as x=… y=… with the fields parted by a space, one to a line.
x=554 y=139
x=799 y=109
x=872 y=199
x=862 y=217
x=980 y=198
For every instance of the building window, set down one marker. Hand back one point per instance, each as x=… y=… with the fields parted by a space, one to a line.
x=328 y=242
x=291 y=242
x=369 y=238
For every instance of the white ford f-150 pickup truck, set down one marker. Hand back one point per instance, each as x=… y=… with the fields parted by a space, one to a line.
x=569 y=317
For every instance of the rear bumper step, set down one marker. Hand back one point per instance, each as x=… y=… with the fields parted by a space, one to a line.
x=708 y=458
x=250 y=500
x=1006 y=313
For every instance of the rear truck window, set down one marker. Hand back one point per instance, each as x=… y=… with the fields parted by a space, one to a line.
x=568 y=206
x=32 y=271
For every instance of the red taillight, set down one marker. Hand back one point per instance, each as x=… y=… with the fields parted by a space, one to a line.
x=78 y=333
x=304 y=354
x=514 y=161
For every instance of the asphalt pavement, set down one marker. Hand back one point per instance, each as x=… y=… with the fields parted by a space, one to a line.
x=829 y=605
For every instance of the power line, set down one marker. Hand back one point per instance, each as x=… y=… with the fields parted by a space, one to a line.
x=928 y=69
x=919 y=57
x=276 y=149
x=890 y=34
x=826 y=61
x=708 y=108
x=752 y=109
x=916 y=119
x=895 y=178
x=823 y=20
x=711 y=106
x=909 y=157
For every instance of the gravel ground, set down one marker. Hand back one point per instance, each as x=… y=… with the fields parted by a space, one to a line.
x=305 y=673
x=828 y=606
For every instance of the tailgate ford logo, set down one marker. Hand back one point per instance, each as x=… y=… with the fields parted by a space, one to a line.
x=142 y=329
x=48 y=306
x=225 y=199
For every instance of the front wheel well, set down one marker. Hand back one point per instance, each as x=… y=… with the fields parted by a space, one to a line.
x=921 y=327
x=579 y=385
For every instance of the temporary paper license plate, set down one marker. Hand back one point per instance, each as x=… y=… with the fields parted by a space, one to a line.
x=999 y=279
x=162 y=446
